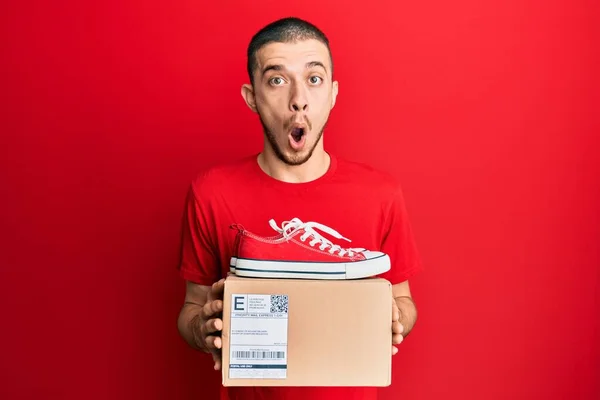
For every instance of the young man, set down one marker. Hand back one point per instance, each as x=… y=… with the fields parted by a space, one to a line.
x=292 y=91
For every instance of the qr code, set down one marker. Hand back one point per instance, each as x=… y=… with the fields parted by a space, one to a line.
x=279 y=303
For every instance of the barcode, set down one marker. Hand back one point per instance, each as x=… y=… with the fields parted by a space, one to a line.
x=279 y=303
x=258 y=354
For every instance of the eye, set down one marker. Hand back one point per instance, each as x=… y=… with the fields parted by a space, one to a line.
x=276 y=81
x=315 y=80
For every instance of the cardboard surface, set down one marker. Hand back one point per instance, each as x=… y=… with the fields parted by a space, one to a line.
x=335 y=333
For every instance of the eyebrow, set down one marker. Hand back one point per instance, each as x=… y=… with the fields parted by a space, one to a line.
x=279 y=67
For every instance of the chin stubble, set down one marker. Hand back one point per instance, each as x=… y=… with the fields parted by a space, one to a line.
x=292 y=161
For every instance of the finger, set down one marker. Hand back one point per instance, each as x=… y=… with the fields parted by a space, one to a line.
x=217 y=359
x=211 y=308
x=213 y=342
x=397 y=327
x=211 y=326
x=216 y=291
x=397 y=338
x=394 y=350
x=217 y=306
x=206 y=311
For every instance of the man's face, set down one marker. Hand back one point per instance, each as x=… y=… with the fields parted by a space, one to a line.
x=293 y=94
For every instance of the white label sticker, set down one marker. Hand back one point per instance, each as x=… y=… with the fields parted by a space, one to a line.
x=258 y=337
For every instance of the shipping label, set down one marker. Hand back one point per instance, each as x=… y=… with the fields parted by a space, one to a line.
x=258 y=337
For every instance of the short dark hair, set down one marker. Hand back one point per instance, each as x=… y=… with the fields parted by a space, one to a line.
x=284 y=30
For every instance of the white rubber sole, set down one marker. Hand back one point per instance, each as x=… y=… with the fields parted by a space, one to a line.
x=309 y=270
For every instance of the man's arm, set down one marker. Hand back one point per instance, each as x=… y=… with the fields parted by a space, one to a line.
x=189 y=316
x=404 y=313
x=198 y=321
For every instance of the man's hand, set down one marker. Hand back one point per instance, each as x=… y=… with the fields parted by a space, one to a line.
x=404 y=314
x=208 y=325
x=397 y=327
x=200 y=322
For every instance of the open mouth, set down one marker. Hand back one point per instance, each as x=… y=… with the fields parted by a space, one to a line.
x=297 y=134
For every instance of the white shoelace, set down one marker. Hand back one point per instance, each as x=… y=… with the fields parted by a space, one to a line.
x=288 y=228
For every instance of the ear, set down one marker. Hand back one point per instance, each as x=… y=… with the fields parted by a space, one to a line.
x=334 y=93
x=248 y=95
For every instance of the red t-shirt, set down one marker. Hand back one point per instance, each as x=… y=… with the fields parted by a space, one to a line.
x=361 y=203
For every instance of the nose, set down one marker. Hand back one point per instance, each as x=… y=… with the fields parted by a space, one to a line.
x=299 y=107
x=298 y=99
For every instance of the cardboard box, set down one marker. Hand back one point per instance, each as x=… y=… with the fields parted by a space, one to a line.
x=288 y=332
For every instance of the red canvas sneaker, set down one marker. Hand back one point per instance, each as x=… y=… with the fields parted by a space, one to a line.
x=299 y=251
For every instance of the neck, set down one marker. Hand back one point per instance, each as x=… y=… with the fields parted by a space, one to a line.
x=315 y=167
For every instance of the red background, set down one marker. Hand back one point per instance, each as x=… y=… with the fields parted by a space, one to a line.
x=487 y=111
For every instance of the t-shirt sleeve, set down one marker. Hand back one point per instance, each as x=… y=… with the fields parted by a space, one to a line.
x=198 y=257
x=399 y=242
